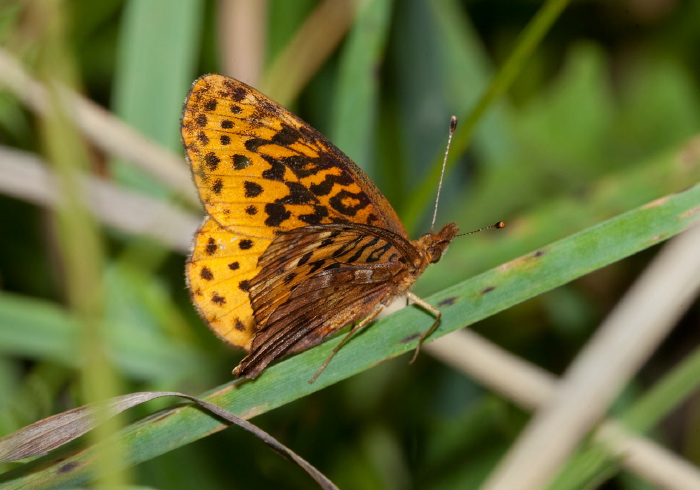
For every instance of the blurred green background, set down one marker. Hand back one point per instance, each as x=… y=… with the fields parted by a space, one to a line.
x=613 y=87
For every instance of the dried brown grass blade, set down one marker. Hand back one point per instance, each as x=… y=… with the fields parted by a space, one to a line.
x=52 y=432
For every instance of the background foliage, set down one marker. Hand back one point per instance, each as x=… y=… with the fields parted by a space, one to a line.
x=612 y=89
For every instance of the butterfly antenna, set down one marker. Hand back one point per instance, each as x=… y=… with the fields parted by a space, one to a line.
x=500 y=224
x=453 y=128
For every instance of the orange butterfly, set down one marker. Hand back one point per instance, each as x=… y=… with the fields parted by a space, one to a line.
x=298 y=242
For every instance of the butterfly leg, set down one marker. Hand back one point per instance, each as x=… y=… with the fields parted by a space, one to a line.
x=352 y=331
x=426 y=306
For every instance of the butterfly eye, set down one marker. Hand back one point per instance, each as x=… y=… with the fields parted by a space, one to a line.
x=437 y=249
x=436 y=257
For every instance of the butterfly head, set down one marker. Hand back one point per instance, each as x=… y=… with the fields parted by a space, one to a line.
x=435 y=244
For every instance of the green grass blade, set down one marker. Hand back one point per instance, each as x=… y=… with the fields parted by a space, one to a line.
x=356 y=112
x=667 y=394
x=530 y=39
x=152 y=72
x=466 y=73
x=39 y=329
x=663 y=174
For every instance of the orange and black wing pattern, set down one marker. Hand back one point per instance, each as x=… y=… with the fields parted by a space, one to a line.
x=318 y=279
x=260 y=172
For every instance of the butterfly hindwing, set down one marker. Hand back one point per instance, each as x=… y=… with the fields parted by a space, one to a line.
x=332 y=275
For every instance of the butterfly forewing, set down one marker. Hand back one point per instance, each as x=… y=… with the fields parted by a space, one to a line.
x=260 y=169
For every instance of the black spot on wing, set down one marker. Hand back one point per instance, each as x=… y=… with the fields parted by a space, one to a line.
x=301 y=166
x=285 y=136
x=241 y=161
x=275 y=172
x=298 y=194
x=238 y=94
x=305 y=258
x=253 y=144
x=316 y=218
x=252 y=189
x=276 y=214
x=326 y=186
x=211 y=247
x=211 y=160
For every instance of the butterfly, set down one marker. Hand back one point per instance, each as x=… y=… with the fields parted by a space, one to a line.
x=298 y=243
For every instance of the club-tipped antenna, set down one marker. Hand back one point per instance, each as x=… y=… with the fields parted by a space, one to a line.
x=453 y=128
x=500 y=224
